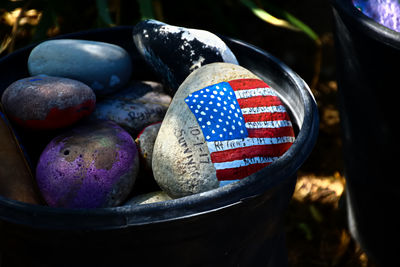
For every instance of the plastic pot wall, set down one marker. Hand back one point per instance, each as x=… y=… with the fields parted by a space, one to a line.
x=368 y=80
x=237 y=225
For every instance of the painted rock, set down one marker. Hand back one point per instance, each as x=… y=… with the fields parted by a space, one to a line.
x=386 y=13
x=137 y=106
x=174 y=52
x=91 y=166
x=102 y=66
x=145 y=142
x=224 y=124
x=148 y=198
x=44 y=102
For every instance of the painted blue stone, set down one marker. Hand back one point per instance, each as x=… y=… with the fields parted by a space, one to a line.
x=217 y=112
x=385 y=12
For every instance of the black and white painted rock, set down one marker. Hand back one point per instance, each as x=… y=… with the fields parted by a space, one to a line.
x=174 y=52
x=224 y=124
x=135 y=107
x=103 y=66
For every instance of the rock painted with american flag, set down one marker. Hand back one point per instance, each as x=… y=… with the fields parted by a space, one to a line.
x=224 y=124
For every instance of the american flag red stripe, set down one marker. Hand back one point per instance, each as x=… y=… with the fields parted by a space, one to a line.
x=262 y=132
x=258 y=101
x=241 y=172
x=268 y=116
x=244 y=84
x=249 y=152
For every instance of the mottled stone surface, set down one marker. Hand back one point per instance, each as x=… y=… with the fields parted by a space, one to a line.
x=174 y=52
x=385 y=12
x=44 y=102
x=102 y=66
x=91 y=166
x=145 y=142
x=223 y=124
x=135 y=107
x=148 y=198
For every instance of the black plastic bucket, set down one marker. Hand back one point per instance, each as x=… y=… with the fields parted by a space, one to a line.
x=237 y=225
x=368 y=55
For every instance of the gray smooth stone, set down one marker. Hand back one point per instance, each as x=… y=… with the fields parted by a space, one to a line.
x=103 y=66
x=145 y=142
x=135 y=107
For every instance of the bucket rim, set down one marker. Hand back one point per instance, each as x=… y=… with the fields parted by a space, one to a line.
x=282 y=170
x=365 y=24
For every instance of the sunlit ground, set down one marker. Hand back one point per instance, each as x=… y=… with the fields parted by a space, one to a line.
x=316 y=223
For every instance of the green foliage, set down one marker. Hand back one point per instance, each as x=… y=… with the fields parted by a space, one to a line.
x=64 y=16
x=104 y=18
x=146 y=9
x=287 y=20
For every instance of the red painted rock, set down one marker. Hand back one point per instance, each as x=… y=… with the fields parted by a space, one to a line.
x=44 y=102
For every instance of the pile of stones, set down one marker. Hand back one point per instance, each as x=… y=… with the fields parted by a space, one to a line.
x=206 y=122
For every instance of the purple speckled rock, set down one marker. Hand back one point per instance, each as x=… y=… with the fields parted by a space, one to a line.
x=91 y=166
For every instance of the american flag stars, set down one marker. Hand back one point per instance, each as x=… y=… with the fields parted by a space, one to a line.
x=217 y=112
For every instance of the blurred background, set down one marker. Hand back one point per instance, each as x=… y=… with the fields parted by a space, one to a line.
x=299 y=33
